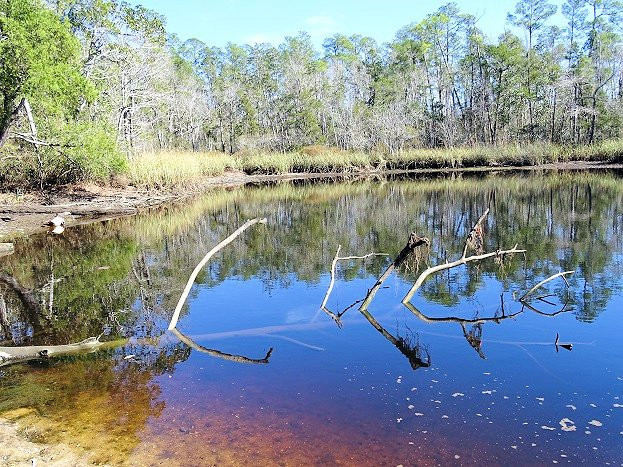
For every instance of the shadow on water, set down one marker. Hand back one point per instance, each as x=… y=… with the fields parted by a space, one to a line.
x=121 y=279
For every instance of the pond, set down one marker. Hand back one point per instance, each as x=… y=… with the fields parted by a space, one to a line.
x=467 y=373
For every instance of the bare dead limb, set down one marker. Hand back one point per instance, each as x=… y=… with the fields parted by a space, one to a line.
x=474 y=338
x=545 y=281
x=475 y=236
x=464 y=260
x=217 y=353
x=412 y=350
x=336 y=316
x=203 y=262
x=412 y=243
x=473 y=240
x=564 y=309
x=455 y=319
x=11 y=355
x=566 y=345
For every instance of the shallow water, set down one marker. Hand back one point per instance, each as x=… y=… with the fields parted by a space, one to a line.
x=469 y=375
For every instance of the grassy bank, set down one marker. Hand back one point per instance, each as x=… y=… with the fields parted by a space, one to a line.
x=166 y=169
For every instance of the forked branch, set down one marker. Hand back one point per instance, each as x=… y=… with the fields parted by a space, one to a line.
x=412 y=243
x=323 y=306
x=464 y=260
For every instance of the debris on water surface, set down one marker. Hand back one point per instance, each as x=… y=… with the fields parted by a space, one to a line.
x=398 y=420
x=411 y=407
x=458 y=394
x=567 y=425
x=619 y=406
x=545 y=427
x=418 y=414
x=572 y=407
x=595 y=423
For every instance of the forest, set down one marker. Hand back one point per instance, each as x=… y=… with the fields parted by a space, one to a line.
x=89 y=86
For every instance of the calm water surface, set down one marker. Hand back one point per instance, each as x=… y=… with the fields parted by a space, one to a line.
x=468 y=375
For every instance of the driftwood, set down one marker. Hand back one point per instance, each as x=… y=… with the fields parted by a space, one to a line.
x=412 y=243
x=217 y=353
x=202 y=263
x=337 y=316
x=473 y=240
x=11 y=355
x=545 y=281
x=413 y=351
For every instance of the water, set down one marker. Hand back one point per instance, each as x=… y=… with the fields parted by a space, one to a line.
x=465 y=376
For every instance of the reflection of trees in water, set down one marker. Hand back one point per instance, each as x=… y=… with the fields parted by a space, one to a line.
x=101 y=400
x=128 y=273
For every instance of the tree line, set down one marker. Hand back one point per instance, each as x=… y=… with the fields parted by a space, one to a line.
x=103 y=77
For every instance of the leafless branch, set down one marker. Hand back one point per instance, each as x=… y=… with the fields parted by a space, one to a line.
x=545 y=281
x=203 y=262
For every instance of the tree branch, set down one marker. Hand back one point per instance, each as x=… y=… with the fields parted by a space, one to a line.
x=203 y=262
x=545 y=281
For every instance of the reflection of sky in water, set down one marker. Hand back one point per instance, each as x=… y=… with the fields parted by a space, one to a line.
x=331 y=395
x=512 y=402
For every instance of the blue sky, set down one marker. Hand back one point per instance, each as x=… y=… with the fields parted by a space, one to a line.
x=217 y=22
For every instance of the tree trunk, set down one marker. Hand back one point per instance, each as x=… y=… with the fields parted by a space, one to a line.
x=9 y=119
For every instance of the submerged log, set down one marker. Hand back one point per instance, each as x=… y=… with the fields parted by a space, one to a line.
x=11 y=355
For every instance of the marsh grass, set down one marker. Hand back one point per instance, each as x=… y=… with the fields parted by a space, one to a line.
x=171 y=168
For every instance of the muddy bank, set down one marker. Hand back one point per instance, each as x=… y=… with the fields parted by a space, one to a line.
x=25 y=214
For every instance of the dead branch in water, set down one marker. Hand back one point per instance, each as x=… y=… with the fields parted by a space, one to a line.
x=464 y=260
x=412 y=350
x=336 y=316
x=11 y=355
x=217 y=353
x=412 y=243
x=474 y=240
x=545 y=281
x=203 y=262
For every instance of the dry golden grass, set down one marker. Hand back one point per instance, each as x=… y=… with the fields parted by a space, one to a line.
x=171 y=168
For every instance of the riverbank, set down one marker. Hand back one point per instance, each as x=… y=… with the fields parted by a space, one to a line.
x=170 y=168
x=18 y=450
x=25 y=214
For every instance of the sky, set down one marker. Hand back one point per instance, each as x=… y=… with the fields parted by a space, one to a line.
x=217 y=22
